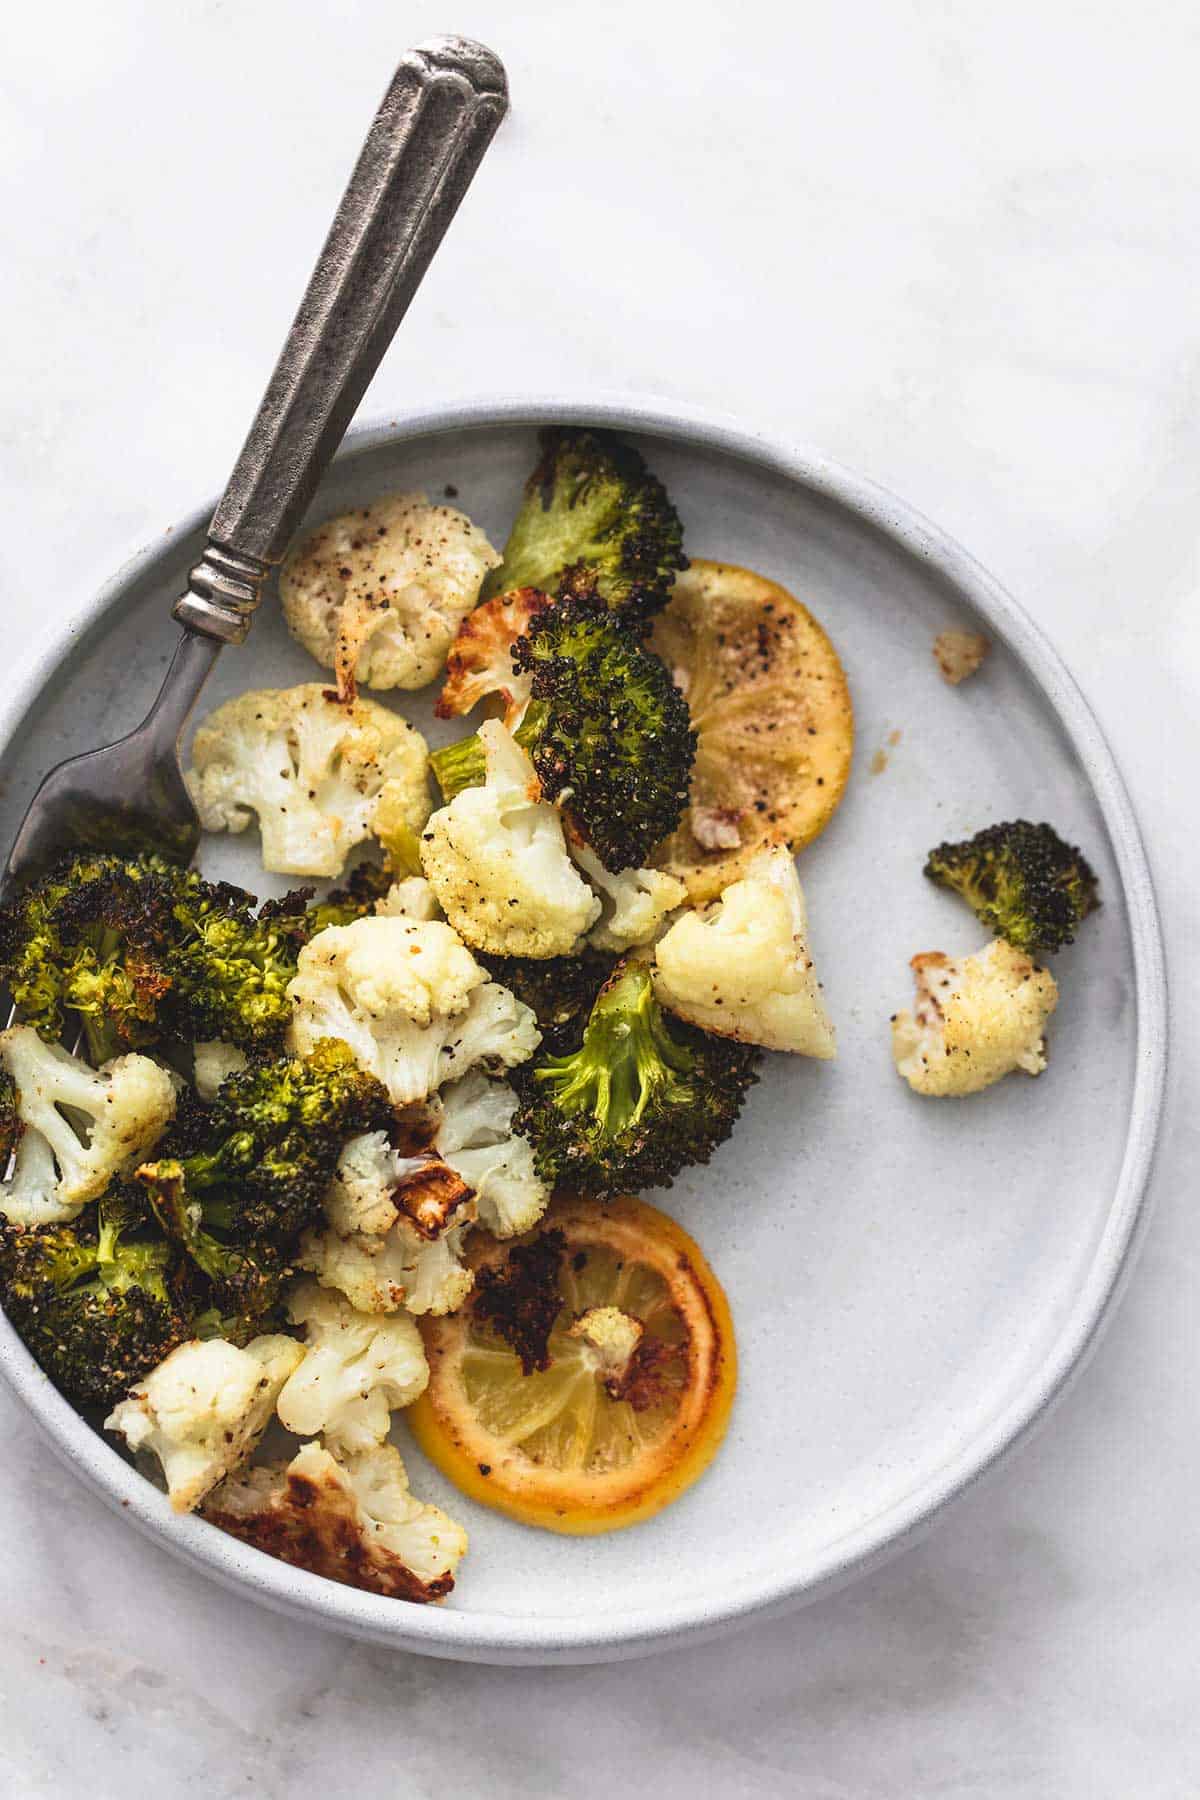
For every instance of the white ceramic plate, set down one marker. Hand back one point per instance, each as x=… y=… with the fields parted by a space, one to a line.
x=912 y=1281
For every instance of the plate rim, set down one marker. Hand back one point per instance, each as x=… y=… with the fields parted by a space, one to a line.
x=499 y=1637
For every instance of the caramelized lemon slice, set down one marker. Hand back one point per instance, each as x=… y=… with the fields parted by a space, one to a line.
x=769 y=701
x=636 y=1369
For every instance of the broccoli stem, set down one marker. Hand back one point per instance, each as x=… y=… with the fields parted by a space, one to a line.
x=458 y=766
x=627 y=1055
x=462 y=765
x=101 y=1038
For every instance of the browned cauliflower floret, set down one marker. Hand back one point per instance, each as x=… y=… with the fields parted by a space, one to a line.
x=975 y=1018
x=612 y=1338
x=480 y=659
x=395 y=1228
x=351 y=1519
x=378 y=593
x=410 y=1000
x=396 y=1224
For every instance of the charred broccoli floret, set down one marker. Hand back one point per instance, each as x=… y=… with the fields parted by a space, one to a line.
x=258 y=1160
x=96 y=1308
x=561 y=990
x=1021 y=881
x=229 y=970
x=616 y=744
x=82 y=940
x=594 y=515
x=245 y=1280
x=140 y=950
x=639 y=1100
x=240 y=1180
x=606 y=729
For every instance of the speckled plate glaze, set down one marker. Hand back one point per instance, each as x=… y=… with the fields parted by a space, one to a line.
x=913 y=1282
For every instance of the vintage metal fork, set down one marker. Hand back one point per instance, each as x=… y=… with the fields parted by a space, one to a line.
x=439 y=115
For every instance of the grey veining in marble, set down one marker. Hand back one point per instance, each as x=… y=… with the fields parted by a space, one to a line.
x=961 y=254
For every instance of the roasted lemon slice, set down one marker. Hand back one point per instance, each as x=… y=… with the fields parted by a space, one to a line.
x=589 y=1380
x=769 y=700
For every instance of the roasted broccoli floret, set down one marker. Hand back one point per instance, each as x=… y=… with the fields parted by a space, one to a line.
x=84 y=940
x=617 y=745
x=561 y=990
x=245 y=1280
x=637 y=1102
x=229 y=970
x=96 y=1308
x=606 y=729
x=242 y=1179
x=1021 y=881
x=594 y=515
x=140 y=950
x=258 y=1160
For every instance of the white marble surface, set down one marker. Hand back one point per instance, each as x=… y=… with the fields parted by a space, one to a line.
x=955 y=246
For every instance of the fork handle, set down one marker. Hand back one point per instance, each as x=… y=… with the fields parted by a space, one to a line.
x=438 y=117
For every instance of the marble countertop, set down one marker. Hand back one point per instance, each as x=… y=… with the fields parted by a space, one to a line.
x=954 y=246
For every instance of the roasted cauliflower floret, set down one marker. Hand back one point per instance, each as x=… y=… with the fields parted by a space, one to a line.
x=612 y=1338
x=410 y=898
x=361 y=1196
x=741 y=968
x=396 y=1223
x=636 y=903
x=212 y=1062
x=351 y=1519
x=203 y=1409
x=402 y=1270
x=66 y=1157
x=395 y=1231
x=975 y=1018
x=31 y=1194
x=480 y=662
x=497 y=860
x=312 y=770
x=377 y=594
x=411 y=1002
x=357 y=1369
x=475 y=1137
